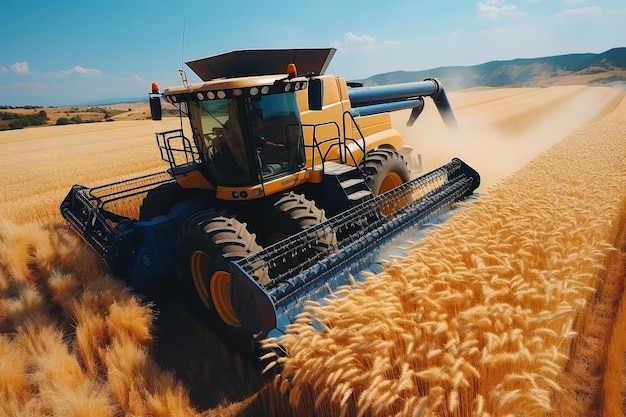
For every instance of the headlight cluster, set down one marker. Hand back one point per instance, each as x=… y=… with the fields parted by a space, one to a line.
x=244 y=194
x=280 y=86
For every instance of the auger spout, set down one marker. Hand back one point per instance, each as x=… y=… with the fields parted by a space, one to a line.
x=386 y=98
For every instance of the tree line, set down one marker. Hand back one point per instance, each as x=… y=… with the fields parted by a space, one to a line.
x=20 y=121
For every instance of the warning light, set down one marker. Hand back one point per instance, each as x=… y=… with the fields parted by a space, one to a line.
x=291 y=70
x=155 y=88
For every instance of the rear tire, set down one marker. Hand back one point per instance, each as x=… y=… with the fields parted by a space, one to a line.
x=207 y=242
x=385 y=170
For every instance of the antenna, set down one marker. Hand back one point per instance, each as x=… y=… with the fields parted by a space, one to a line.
x=183 y=76
x=182 y=59
x=181 y=72
x=182 y=47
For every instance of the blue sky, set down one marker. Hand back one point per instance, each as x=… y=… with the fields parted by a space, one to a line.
x=73 y=52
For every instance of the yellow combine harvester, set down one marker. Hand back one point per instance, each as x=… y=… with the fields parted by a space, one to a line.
x=286 y=180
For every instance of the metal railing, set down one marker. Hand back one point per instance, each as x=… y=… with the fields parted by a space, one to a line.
x=177 y=149
x=341 y=142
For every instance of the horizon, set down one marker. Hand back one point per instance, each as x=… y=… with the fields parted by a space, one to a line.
x=64 y=57
x=111 y=101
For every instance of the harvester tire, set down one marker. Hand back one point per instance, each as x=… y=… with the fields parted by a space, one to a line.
x=293 y=213
x=160 y=200
x=207 y=242
x=385 y=169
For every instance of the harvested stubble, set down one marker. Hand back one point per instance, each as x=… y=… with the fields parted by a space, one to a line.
x=481 y=317
x=40 y=165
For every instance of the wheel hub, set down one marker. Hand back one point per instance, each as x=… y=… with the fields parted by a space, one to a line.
x=391 y=180
x=220 y=294
x=198 y=266
x=214 y=291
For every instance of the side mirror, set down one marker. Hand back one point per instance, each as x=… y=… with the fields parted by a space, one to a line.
x=316 y=94
x=155 y=102
x=155 y=106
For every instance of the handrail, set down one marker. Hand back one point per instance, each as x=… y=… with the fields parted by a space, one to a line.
x=356 y=141
x=316 y=145
x=344 y=149
x=169 y=151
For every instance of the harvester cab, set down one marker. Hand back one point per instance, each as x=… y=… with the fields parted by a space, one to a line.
x=247 y=136
x=287 y=179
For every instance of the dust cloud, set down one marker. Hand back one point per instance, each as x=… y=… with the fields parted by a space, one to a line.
x=501 y=130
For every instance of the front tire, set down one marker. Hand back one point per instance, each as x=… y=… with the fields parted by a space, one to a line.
x=207 y=243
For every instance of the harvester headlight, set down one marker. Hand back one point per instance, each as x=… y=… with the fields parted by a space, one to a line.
x=237 y=92
x=235 y=194
x=221 y=94
x=256 y=193
x=265 y=89
x=210 y=95
x=254 y=91
x=200 y=96
x=287 y=86
x=243 y=194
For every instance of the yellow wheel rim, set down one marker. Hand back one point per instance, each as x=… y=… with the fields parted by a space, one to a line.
x=214 y=291
x=391 y=181
x=220 y=294
x=198 y=266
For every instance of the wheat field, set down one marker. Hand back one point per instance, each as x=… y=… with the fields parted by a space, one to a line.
x=514 y=306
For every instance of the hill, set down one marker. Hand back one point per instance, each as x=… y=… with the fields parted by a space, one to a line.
x=607 y=68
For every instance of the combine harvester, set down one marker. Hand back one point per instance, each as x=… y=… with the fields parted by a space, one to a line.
x=287 y=181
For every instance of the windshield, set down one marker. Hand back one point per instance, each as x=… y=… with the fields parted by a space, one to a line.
x=248 y=140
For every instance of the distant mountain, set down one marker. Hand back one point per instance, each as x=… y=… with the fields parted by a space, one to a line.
x=606 y=68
